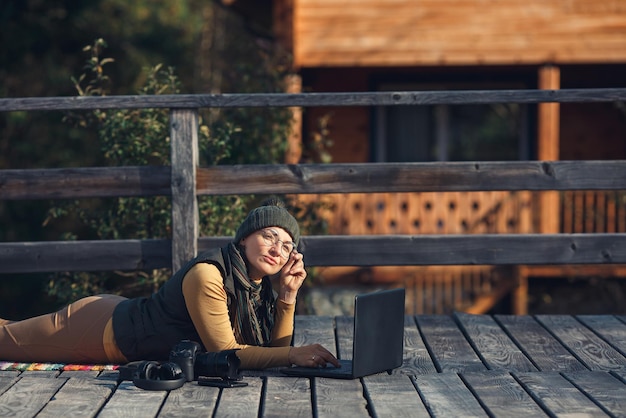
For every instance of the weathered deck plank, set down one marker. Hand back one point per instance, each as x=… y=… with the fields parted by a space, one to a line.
x=7 y=379
x=450 y=350
x=609 y=328
x=288 y=397
x=393 y=396
x=621 y=375
x=241 y=402
x=129 y=401
x=339 y=398
x=190 y=401
x=606 y=390
x=41 y=373
x=594 y=352
x=538 y=344
x=502 y=395
x=445 y=395
x=558 y=395
x=495 y=347
x=9 y=373
x=80 y=396
x=416 y=359
x=29 y=395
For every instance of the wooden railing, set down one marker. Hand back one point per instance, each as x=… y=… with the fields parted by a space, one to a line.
x=184 y=181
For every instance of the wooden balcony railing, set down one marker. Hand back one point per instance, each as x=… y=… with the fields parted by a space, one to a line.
x=184 y=181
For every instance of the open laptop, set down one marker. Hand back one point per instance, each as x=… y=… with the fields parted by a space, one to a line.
x=378 y=338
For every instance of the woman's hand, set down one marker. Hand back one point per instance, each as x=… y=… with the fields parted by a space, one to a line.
x=313 y=355
x=291 y=278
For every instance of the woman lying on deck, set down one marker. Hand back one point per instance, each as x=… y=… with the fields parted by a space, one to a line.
x=223 y=298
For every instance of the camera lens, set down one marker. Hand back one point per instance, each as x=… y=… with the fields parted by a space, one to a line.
x=224 y=364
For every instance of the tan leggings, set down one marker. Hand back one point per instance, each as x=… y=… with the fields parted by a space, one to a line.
x=72 y=335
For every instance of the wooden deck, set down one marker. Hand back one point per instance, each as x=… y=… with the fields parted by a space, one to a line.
x=459 y=365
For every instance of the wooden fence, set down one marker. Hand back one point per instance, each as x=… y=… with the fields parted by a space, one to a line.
x=184 y=181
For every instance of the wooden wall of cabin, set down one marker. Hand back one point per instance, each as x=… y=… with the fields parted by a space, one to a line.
x=587 y=131
x=342 y=33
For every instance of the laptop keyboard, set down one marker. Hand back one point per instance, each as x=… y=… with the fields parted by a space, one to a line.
x=346 y=368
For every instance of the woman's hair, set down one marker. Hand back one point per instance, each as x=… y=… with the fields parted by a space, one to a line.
x=272 y=212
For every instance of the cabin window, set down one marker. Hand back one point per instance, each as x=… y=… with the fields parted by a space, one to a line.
x=494 y=132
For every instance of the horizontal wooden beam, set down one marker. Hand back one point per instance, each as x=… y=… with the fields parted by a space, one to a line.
x=452 y=33
x=492 y=249
x=67 y=183
x=394 y=250
x=199 y=101
x=413 y=177
x=316 y=178
x=105 y=255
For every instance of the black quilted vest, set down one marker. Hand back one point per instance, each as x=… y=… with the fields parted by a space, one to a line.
x=147 y=328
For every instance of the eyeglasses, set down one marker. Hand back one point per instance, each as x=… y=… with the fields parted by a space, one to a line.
x=270 y=238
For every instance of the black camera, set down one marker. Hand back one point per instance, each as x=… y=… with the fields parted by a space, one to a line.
x=195 y=363
x=184 y=354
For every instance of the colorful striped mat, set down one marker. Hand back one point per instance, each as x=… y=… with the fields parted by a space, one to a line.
x=9 y=365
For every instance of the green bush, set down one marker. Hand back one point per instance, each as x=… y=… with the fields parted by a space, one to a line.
x=137 y=137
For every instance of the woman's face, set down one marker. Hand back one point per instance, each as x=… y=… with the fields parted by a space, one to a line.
x=267 y=251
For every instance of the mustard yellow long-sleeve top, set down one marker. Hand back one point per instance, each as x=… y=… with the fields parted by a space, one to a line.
x=206 y=301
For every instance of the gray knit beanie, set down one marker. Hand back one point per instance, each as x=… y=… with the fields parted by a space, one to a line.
x=271 y=213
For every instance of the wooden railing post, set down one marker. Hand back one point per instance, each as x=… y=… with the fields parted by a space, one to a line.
x=548 y=147
x=184 y=148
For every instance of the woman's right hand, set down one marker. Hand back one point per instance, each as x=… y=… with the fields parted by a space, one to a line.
x=314 y=355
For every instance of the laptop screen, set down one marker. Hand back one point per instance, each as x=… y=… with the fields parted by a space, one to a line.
x=378 y=332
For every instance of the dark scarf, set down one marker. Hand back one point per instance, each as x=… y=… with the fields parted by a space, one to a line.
x=252 y=315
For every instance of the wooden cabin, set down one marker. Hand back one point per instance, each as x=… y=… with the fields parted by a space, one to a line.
x=404 y=45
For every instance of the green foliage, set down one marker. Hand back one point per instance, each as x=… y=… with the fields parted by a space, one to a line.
x=130 y=137
x=317 y=149
x=214 y=50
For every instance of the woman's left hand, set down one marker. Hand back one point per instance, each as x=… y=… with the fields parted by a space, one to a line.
x=291 y=278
